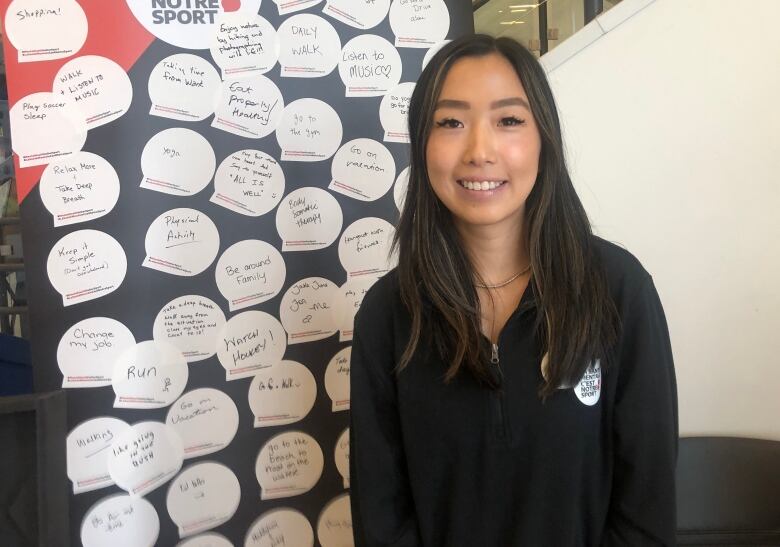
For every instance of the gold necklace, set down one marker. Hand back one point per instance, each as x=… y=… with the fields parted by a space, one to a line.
x=503 y=283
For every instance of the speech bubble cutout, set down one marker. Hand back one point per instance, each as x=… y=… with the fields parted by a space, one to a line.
x=87 y=452
x=309 y=47
x=183 y=87
x=394 y=112
x=211 y=539
x=341 y=456
x=364 y=248
x=42 y=30
x=120 y=521
x=306 y=310
x=82 y=187
x=362 y=14
x=250 y=272
x=308 y=219
x=337 y=379
x=348 y=301
x=249 y=108
x=249 y=182
x=244 y=45
x=177 y=161
x=151 y=374
x=205 y=419
x=282 y=394
x=144 y=457
x=250 y=342
x=588 y=389
x=280 y=527
x=286 y=7
x=310 y=130
x=334 y=527
x=190 y=323
x=188 y=25
x=400 y=188
x=88 y=350
x=85 y=265
x=421 y=24
x=363 y=169
x=434 y=49
x=202 y=497
x=100 y=87
x=181 y=242
x=46 y=127
x=369 y=66
x=289 y=464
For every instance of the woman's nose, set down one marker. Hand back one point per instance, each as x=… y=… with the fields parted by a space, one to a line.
x=480 y=146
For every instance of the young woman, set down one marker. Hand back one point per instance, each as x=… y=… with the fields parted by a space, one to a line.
x=512 y=379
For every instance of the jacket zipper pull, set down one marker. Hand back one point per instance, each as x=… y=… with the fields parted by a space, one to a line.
x=494 y=356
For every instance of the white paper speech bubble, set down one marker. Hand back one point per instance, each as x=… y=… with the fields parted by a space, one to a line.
x=183 y=87
x=211 y=539
x=341 y=456
x=249 y=182
x=280 y=527
x=151 y=374
x=88 y=350
x=205 y=419
x=434 y=49
x=337 y=379
x=286 y=7
x=47 y=127
x=250 y=272
x=87 y=452
x=362 y=14
x=190 y=323
x=202 y=497
x=177 y=161
x=588 y=389
x=42 y=30
x=250 y=341
x=334 y=527
x=144 y=457
x=348 y=301
x=181 y=242
x=79 y=188
x=85 y=265
x=100 y=88
x=419 y=23
x=282 y=394
x=364 y=248
x=310 y=130
x=244 y=45
x=186 y=24
x=289 y=464
x=120 y=521
x=249 y=107
x=308 y=219
x=309 y=47
x=363 y=169
x=306 y=310
x=400 y=188
x=394 y=112
x=370 y=66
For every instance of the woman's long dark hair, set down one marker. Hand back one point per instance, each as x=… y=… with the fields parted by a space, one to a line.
x=576 y=319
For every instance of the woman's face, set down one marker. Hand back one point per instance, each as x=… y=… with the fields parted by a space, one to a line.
x=483 y=149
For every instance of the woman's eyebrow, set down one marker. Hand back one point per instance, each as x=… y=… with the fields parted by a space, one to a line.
x=464 y=105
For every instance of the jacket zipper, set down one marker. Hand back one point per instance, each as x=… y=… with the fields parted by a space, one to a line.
x=499 y=395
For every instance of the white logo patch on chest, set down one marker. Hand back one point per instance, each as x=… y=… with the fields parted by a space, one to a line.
x=588 y=390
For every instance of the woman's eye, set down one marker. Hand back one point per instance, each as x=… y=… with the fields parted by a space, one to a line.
x=511 y=121
x=450 y=123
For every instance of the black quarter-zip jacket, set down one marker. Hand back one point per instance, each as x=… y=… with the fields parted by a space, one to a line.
x=460 y=464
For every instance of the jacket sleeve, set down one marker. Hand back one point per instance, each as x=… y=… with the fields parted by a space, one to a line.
x=382 y=507
x=642 y=506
